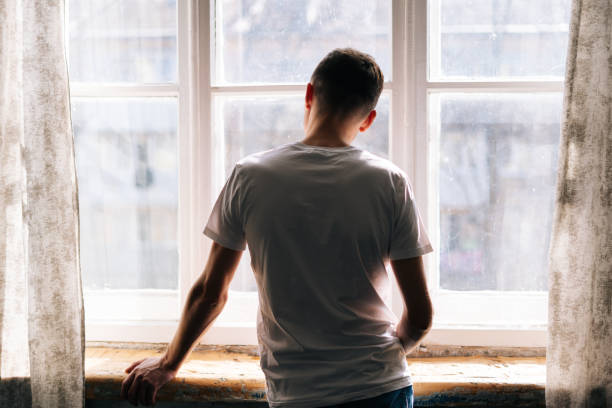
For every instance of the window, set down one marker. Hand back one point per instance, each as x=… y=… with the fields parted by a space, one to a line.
x=125 y=96
x=493 y=90
x=258 y=88
x=168 y=94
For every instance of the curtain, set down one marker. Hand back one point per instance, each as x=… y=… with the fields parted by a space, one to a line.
x=41 y=303
x=579 y=351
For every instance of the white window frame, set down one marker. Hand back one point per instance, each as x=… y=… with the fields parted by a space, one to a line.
x=149 y=315
x=493 y=309
x=411 y=147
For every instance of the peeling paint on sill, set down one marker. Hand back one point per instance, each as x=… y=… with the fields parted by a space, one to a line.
x=232 y=374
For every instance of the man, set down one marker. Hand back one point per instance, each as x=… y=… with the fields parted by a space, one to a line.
x=321 y=219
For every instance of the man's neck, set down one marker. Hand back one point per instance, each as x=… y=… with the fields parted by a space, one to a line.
x=329 y=134
x=324 y=142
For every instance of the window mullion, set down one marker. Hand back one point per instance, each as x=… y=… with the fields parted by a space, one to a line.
x=84 y=89
x=424 y=150
x=402 y=125
x=202 y=137
x=495 y=86
x=187 y=129
x=269 y=89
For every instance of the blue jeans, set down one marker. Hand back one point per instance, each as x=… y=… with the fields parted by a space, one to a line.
x=402 y=398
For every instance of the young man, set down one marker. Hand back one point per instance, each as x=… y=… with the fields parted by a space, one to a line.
x=321 y=218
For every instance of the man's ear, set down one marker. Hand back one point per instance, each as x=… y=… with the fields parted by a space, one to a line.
x=309 y=95
x=367 y=122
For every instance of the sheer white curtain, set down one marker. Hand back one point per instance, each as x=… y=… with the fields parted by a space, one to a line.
x=41 y=306
x=579 y=354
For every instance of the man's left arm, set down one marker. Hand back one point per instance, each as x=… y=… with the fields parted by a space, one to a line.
x=205 y=302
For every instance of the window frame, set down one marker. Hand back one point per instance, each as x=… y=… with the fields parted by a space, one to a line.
x=411 y=147
x=153 y=314
x=487 y=332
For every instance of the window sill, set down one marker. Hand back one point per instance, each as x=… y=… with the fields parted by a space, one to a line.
x=232 y=374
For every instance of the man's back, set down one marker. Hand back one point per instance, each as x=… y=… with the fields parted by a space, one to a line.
x=320 y=223
x=321 y=218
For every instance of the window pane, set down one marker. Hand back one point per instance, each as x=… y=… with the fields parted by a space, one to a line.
x=126 y=152
x=122 y=41
x=246 y=125
x=498 y=38
x=280 y=41
x=497 y=172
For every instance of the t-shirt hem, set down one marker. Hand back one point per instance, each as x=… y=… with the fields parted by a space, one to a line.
x=410 y=253
x=337 y=399
x=224 y=242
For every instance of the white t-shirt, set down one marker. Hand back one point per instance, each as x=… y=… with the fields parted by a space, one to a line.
x=320 y=223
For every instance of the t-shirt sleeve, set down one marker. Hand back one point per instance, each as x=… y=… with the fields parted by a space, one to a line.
x=408 y=236
x=225 y=224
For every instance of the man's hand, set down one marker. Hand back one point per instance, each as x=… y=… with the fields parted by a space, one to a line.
x=145 y=378
x=409 y=336
x=204 y=303
x=417 y=317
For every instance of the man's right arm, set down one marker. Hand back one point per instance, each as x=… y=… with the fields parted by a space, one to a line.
x=417 y=316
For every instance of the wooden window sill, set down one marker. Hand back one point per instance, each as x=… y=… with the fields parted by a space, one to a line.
x=232 y=374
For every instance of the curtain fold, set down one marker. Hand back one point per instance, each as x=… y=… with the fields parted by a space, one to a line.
x=579 y=352
x=41 y=302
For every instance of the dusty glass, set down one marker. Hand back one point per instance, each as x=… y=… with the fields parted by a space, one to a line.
x=497 y=171
x=246 y=125
x=122 y=41
x=127 y=168
x=496 y=39
x=280 y=41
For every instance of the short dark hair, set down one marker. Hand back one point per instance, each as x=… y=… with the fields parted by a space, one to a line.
x=347 y=82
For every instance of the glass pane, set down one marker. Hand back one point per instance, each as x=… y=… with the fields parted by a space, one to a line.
x=246 y=125
x=280 y=41
x=126 y=153
x=498 y=38
x=122 y=41
x=497 y=172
